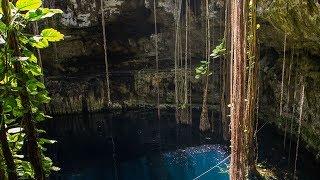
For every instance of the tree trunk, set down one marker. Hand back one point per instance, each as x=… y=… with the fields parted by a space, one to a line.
x=27 y=122
x=237 y=168
x=7 y=154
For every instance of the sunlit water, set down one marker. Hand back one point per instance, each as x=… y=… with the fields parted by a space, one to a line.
x=132 y=146
x=135 y=145
x=184 y=164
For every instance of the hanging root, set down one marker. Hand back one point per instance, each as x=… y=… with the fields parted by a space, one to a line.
x=283 y=73
x=157 y=58
x=204 y=119
x=105 y=52
x=299 y=129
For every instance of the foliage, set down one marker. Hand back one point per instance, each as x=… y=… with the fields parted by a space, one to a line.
x=15 y=82
x=203 y=67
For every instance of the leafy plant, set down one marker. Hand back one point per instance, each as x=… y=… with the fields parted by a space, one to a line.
x=203 y=67
x=22 y=94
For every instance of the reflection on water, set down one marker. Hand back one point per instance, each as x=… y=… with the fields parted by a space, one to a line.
x=131 y=146
x=183 y=164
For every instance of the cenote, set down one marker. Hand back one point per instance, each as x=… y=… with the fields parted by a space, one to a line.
x=159 y=89
x=133 y=145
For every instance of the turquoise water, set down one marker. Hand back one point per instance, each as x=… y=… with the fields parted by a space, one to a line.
x=182 y=164
x=132 y=146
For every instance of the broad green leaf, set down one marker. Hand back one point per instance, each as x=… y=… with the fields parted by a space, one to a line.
x=52 y=35
x=28 y=5
x=9 y=104
x=43 y=97
x=34 y=69
x=39 y=42
x=31 y=56
x=17 y=112
x=33 y=85
x=41 y=13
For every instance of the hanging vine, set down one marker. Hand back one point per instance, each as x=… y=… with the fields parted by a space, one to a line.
x=103 y=24
x=299 y=128
x=252 y=86
x=283 y=74
x=204 y=119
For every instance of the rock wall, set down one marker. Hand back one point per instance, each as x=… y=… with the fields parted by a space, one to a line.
x=305 y=66
x=75 y=67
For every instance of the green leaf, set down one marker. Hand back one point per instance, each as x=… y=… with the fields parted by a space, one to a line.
x=51 y=35
x=3 y=27
x=27 y=5
x=39 y=42
x=33 y=68
x=33 y=85
x=41 y=13
x=31 y=56
x=9 y=104
x=17 y=112
x=40 y=116
x=43 y=97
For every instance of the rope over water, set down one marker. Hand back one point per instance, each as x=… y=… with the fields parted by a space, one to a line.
x=211 y=168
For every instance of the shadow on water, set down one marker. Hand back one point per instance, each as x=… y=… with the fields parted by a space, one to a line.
x=131 y=145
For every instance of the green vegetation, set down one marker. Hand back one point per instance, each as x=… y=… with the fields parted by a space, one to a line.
x=22 y=92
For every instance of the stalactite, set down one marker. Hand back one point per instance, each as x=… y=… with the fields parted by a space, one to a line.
x=299 y=128
x=237 y=169
x=283 y=73
x=105 y=51
x=204 y=119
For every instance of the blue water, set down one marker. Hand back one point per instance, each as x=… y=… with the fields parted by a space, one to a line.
x=182 y=164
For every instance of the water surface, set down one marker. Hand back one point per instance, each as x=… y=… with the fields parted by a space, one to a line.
x=132 y=146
